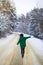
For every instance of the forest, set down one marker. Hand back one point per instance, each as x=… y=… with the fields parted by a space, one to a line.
x=10 y=22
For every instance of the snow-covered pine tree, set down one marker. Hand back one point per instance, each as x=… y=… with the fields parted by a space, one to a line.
x=7 y=17
x=35 y=27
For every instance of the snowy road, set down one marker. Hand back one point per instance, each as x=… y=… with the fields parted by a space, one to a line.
x=10 y=52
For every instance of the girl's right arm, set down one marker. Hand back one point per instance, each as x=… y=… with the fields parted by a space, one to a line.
x=17 y=42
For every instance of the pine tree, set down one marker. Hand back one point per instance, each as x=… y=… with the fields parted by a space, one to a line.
x=7 y=16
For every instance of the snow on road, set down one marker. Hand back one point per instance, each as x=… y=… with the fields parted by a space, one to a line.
x=10 y=53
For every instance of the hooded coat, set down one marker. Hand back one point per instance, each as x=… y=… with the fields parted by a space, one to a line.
x=22 y=41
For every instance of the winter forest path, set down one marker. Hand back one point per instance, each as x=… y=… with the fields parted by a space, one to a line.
x=10 y=53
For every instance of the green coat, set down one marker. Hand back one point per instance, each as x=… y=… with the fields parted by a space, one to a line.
x=22 y=41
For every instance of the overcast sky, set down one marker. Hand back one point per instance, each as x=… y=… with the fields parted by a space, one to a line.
x=24 y=6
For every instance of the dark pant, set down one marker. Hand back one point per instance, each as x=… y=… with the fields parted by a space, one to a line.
x=22 y=52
